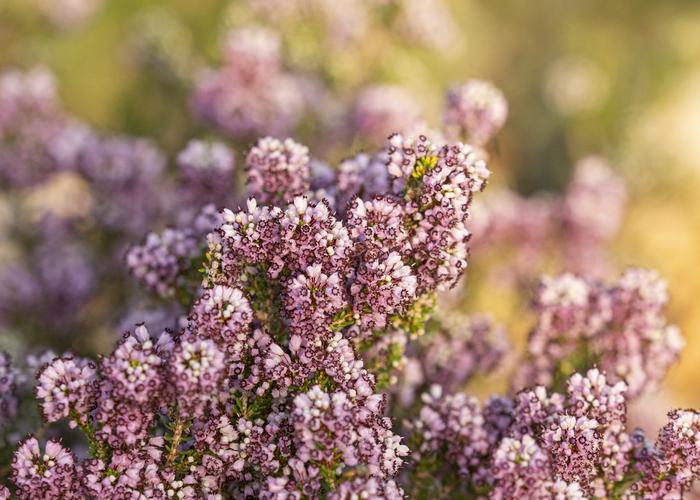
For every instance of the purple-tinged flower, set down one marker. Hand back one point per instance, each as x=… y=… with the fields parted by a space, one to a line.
x=679 y=444
x=378 y=226
x=382 y=288
x=132 y=388
x=67 y=388
x=162 y=261
x=313 y=297
x=244 y=239
x=476 y=110
x=312 y=235
x=620 y=327
x=223 y=314
x=328 y=426
x=519 y=467
x=49 y=475
x=370 y=488
x=453 y=425
x=278 y=170
x=197 y=371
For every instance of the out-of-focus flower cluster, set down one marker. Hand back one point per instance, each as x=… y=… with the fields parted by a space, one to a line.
x=573 y=444
x=620 y=328
x=574 y=228
x=77 y=200
x=250 y=94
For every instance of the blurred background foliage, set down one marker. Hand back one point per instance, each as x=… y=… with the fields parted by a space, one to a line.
x=621 y=79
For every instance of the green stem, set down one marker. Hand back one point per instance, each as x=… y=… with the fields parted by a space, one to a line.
x=177 y=436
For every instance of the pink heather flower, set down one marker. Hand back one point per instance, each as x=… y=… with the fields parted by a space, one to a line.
x=573 y=443
x=519 y=467
x=382 y=110
x=132 y=388
x=277 y=170
x=197 y=370
x=453 y=425
x=378 y=226
x=244 y=446
x=8 y=396
x=163 y=259
x=622 y=326
x=476 y=110
x=66 y=388
x=439 y=183
x=405 y=152
x=371 y=488
x=245 y=238
x=50 y=474
x=4 y=493
x=382 y=288
x=313 y=296
x=134 y=369
x=590 y=395
x=534 y=408
x=140 y=473
x=326 y=424
x=313 y=236
x=679 y=444
x=223 y=314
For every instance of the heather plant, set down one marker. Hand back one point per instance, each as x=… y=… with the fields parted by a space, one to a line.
x=264 y=392
x=272 y=385
x=296 y=350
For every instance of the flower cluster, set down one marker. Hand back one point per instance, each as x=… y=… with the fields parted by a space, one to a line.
x=621 y=328
x=551 y=445
x=267 y=372
x=277 y=170
x=66 y=387
x=250 y=94
x=475 y=109
x=160 y=263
